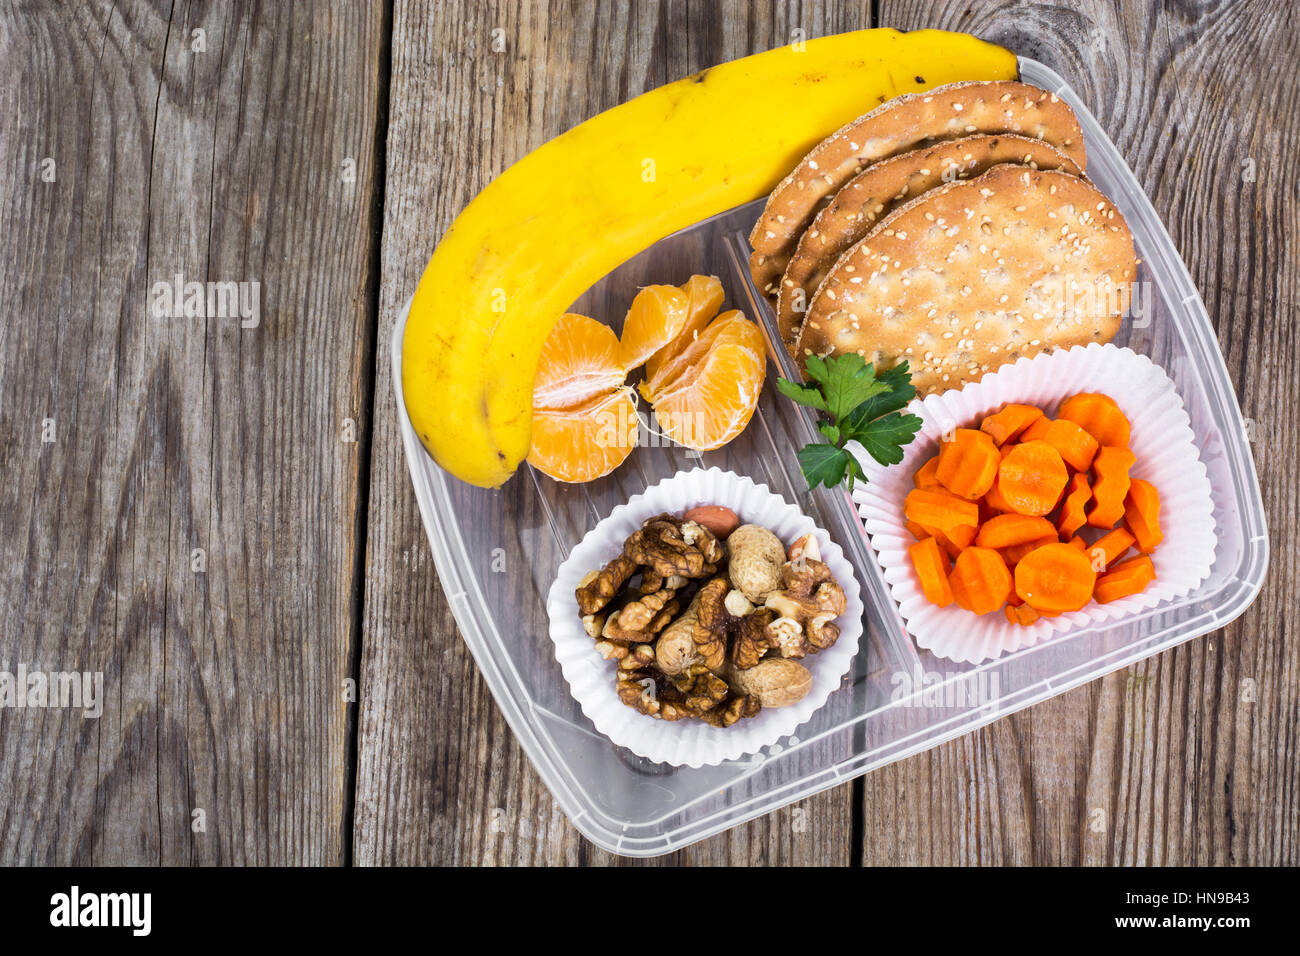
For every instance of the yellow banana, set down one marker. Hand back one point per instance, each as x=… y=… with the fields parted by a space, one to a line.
x=569 y=212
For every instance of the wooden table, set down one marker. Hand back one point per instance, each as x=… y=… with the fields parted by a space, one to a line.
x=217 y=515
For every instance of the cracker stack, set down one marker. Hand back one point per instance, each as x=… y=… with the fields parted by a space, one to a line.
x=953 y=229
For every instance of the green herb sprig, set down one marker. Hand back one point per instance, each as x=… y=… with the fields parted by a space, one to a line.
x=857 y=405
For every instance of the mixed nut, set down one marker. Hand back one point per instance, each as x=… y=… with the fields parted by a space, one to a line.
x=708 y=618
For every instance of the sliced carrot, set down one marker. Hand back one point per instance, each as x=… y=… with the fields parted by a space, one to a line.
x=916 y=530
x=1142 y=515
x=939 y=510
x=1004 y=531
x=1016 y=552
x=925 y=475
x=1021 y=614
x=1032 y=477
x=932 y=569
x=1014 y=599
x=1077 y=496
x=980 y=580
x=1078 y=542
x=1126 y=578
x=1110 y=485
x=1007 y=424
x=1098 y=415
x=968 y=463
x=1075 y=446
x=1055 y=578
x=958 y=539
x=1036 y=430
x=1107 y=549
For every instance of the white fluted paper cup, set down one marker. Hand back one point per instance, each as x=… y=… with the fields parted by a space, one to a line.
x=1166 y=453
x=693 y=743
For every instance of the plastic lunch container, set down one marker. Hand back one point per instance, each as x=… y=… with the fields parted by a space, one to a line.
x=497 y=552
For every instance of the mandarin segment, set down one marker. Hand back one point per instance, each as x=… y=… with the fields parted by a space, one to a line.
x=587 y=442
x=658 y=314
x=579 y=361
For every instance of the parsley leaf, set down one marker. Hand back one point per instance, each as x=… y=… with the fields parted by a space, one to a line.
x=857 y=405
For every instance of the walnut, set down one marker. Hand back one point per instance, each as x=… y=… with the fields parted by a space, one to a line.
x=598 y=588
x=753 y=638
x=669 y=546
x=641 y=619
x=755 y=557
x=806 y=607
x=735 y=708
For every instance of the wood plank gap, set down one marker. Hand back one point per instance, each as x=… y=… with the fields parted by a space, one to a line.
x=379 y=164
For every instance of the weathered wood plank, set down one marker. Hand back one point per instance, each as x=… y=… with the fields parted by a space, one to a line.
x=1191 y=757
x=191 y=531
x=440 y=778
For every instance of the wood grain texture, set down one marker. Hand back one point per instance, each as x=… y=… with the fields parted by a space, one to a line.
x=440 y=778
x=1190 y=757
x=207 y=140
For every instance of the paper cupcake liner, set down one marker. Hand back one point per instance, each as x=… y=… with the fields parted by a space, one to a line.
x=591 y=678
x=1166 y=455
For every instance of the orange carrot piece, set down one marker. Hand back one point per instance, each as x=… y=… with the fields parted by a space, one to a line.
x=1021 y=614
x=1126 y=578
x=1013 y=555
x=1004 y=531
x=1098 y=415
x=1036 y=430
x=939 y=510
x=1073 y=516
x=925 y=475
x=1055 y=578
x=1075 y=446
x=932 y=569
x=980 y=580
x=1078 y=542
x=1007 y=424
x=1110 y=485
x=1106 y=550
x=916 y=530
x=959 y=539
x=1142 y=515
x=968 y=463
x=1032 y=477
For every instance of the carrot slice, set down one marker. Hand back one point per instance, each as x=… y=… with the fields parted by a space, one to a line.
x=1004 y=531
x=1126 y=578
x=980 y=580
x=1032 y=477
x=1036 y=430
x=1016 y=552
x=1078 y=542
x=916 y=530
x=1111 y=484
x=1106 y=550
x=925 y=475
x=958 y=539
x=1021 y=614
x=939 y=510
x=1007 y=424
x=1077 y=496
x=1055 y=578
x=968 y=463
x=1142 y=514
x=1075 y=446
x=932 y=569
x=1098 y=415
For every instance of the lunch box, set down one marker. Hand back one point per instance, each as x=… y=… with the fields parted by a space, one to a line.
x=497 y=552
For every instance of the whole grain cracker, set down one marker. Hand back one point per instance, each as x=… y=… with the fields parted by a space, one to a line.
x=976 y=274
x=877 y=190
x=898 y=125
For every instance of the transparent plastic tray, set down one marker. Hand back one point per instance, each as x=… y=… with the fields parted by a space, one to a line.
x=497 y=552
